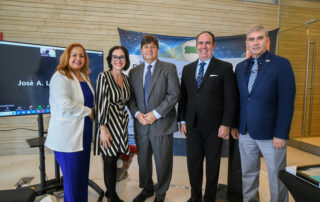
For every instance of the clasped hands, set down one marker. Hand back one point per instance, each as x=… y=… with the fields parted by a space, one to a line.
x=146 y=119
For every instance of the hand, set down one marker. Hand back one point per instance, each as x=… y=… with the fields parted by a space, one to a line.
x=91 y=115
x=183 y=129
x=224 y=131
x=141 y=119
x=235 y=133
x=105 y=137
x=150 y=117
x=278 y=143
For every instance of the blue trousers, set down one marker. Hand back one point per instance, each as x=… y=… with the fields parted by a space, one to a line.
x=75 y=170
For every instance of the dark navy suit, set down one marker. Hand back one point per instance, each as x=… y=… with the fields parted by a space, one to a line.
x=266 y=112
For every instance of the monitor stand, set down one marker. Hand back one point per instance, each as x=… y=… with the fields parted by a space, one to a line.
x=56 y=184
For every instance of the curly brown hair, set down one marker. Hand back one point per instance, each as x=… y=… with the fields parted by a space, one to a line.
x=63 y=66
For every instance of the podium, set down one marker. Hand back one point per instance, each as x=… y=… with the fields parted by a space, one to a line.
x=232 y=192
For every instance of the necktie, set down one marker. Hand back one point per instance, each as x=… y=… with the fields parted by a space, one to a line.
x=253 y=75
x=200 y=74
x=147 y=81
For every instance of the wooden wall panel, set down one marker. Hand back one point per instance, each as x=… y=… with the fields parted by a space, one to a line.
x=293 y=45
x=94 y=24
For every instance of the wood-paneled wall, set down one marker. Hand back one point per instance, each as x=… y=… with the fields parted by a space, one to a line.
x=293 y=45
x=94 y=24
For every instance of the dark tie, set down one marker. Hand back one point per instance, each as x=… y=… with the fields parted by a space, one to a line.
x=200 y=74
x=147 y=81
x=253 y=75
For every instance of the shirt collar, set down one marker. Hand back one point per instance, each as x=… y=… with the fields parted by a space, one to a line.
x=259 y=59
x=207 y=61
x=146 y=64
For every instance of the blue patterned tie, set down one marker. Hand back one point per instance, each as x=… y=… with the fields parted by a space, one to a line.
x=200 y=74
x=253 y=75
x=147 y=81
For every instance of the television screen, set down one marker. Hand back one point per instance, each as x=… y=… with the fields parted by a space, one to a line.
x=25 y=73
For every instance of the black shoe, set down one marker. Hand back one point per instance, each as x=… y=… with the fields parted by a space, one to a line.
x=144 y=194
x=157 y=199
x=115 y=199
x=192 y=199
x=112 y=199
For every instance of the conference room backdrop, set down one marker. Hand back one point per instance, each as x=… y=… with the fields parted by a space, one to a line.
x=181 y=51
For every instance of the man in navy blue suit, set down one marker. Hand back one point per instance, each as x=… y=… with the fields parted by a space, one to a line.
x=267 y=90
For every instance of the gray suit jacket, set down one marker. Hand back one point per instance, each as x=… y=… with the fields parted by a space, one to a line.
x=164 y=93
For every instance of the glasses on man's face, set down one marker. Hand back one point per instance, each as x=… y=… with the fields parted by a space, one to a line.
x=115 y=57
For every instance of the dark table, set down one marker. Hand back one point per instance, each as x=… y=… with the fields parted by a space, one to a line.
x=300 y=189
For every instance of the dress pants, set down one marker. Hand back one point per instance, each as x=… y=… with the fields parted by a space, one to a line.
x=75 y=169
x=250 y=165
x=162 y=149
x=203 y=143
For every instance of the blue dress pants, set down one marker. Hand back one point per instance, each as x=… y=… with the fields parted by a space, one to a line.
x=75 y=169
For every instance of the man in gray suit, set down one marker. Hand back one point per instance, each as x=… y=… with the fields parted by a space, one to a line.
x=154 y=92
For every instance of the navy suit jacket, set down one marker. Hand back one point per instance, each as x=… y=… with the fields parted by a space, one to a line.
x=267 y=111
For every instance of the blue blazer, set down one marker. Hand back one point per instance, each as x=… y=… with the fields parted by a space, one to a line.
x=267 y=111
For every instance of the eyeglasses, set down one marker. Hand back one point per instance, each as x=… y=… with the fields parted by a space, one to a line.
x=115 y=58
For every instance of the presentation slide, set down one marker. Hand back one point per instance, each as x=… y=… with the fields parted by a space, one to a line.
x=26 y=70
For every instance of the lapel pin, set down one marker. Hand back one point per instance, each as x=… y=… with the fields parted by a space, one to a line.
x=267 y=60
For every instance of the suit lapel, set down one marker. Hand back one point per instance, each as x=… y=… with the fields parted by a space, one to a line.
x=261 y=71
x=140 y=69
x=243 y=72
x=193 y=78
x=210 y=70
x=155 y=75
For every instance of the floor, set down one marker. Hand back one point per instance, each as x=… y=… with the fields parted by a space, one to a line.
x=309 y=140
x=14 y=167
x=307 y=144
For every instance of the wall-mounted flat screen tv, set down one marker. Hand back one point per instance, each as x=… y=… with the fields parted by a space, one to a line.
x=25 y=73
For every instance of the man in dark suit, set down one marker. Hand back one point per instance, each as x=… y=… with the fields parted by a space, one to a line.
x=206 y=113
x=267 y=90
x=155 y=91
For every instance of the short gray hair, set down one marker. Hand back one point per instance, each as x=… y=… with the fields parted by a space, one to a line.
x=256 y=28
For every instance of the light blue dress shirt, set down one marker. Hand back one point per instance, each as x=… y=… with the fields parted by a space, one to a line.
x=197 y=71
x=156 y=114
x=204 y=68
